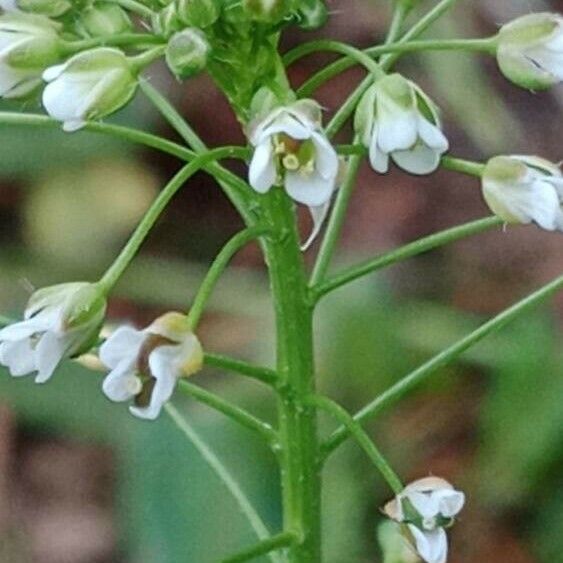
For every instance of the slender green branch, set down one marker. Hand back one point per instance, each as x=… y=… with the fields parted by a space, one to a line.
x=142 y=61
x=400 y=12
x=115 y=271
x=336 y=221
x=355 y=430
x=217 y=268
x=394 y=393
x=137 y=7
x=353 y=54
x=464 y=166
x=265 y=375
x=224 y=475
x=279 y=541
x=123 y=40
x=408 y=251
x=386 y=63
x=234 y=412
x=237 y=190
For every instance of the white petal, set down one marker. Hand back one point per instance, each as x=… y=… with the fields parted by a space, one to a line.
x=432 y=136
x=420 y=160
x=49 y=351
x=53 y=72
x=426 y=504
x=124 y=343
x=431 y=546
x=122 y=383
x=163 y=362
x=450 y=502
x=310 y=189
x=378 y=159
x=318 y=215
x=326 y=159
x=287 y=124
x=23 y=329
x=397 y=131
x=262 y=170
x=18 y=357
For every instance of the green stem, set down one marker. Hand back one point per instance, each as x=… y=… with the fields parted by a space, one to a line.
x=136 y=7
x=217 y=268
x=400 y=12
x=234 y=412
x=115 y=271
x=353 y=54
x=359 y=434
x=336 y=221
x=142 y=61
x=408 y=251
x=224 y=475
x=297 y=421
x=394 y=393
x=124 y=40
x=279 y=541
x=464 y=166
x=386 y=62
x=265 y=375
x=236 y=189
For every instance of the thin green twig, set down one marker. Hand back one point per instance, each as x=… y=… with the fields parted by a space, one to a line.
x=224 y=475
x=279 y=541
x=356 y=430
x=259 y=373
x=415 y=378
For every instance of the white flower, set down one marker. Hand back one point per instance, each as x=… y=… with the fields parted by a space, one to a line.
x=59 y=322
x=396 y=119
x=530 y=50
x=146 y=364
x=524 y=189
x=426 y=507
x=292 y=150
x=28 y=45
x=90 y=85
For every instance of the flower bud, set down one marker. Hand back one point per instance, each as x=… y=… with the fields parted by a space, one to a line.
x=524 y=189
x=187 y=52
x=90 y=85
x=530 y=50
x=104 y=19
x=28 y=44
x=197 y=13
x=166 y=21
x=50 y=8
x=60 y=321
x=312 y=14
x=270 y=11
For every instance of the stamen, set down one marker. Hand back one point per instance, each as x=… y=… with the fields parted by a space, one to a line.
x=291 y=162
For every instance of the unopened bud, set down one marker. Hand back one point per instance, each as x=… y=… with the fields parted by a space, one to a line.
x=312 y=14
x=197 y=13
x=50 y=8
x=271 y=11
x=166 y=22
x=104 y=19
x=186 y=52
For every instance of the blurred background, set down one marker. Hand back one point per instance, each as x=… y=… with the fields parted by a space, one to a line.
x=83 y=482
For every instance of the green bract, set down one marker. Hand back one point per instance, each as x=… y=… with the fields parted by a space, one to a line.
x=51 y=8
x=104 y=19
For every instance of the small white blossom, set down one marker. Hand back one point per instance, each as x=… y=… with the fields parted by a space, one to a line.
x=28 y=45
x=426 y=507
x=146 y=364
x=291 y=149
x=396 y=119
x=524 y=189
x=530 y=50
x=90 y=85
x=59 y=322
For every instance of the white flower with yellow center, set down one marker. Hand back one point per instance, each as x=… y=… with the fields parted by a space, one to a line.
x=396 y=119
x=146 y=364
x=291 y=150
x=524 y=189
x=427 y=506
x=60 y=321
x=530 y=50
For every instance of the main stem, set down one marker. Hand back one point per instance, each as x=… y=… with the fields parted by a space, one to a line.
x=300 y=475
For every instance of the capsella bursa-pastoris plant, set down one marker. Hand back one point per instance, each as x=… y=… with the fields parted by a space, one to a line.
x=86 y=61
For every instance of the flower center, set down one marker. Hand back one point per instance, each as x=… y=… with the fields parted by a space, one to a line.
x=295 y=155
